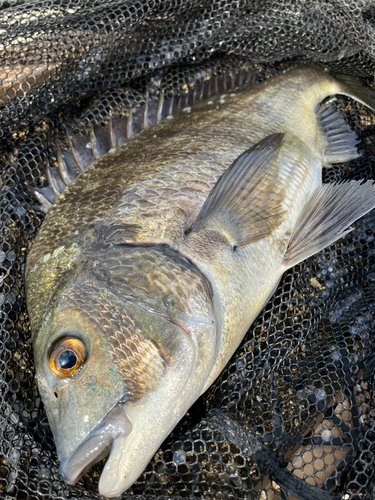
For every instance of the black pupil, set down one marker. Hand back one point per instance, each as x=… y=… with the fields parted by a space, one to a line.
x=67 y=360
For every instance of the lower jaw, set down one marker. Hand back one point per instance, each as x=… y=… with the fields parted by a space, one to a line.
x=97 y=445
x=101 y=456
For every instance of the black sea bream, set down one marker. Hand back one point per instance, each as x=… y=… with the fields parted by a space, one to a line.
x=156 y=259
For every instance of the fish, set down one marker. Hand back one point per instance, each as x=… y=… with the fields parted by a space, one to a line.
x=156 y=255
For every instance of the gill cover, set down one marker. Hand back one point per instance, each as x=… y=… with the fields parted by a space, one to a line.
x=140 y=323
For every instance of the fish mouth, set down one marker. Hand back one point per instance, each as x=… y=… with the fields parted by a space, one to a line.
x=102 y=441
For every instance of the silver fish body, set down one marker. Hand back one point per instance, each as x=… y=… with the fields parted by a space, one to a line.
x=153 y=263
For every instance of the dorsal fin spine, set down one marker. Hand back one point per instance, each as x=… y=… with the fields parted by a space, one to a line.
x=129 y=124
x=112 y=133
x=145 y=114
x=94 y=146
x=63 y=168
x=160 y=106
x=52 y=183
x=75 y=154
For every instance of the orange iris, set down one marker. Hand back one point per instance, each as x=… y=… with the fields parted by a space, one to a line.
x=67 y=356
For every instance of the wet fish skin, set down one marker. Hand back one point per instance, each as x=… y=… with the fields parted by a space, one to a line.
x=160 y=279
x=136 y=336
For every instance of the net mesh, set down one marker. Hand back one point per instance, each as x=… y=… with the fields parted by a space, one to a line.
x=301 y=384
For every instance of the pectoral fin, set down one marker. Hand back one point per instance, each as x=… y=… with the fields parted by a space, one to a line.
x=247 y=200
x=326 y=217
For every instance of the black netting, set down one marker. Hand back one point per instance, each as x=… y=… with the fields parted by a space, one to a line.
x=296 y=402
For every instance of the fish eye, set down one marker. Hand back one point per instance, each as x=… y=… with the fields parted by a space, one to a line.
x=66 y=356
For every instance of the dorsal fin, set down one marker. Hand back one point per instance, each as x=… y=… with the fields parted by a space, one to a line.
x=84 y=150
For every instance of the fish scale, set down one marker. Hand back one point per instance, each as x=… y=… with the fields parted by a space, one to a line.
x=180 y=234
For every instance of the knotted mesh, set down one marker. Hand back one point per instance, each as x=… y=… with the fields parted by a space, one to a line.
x=295 y=405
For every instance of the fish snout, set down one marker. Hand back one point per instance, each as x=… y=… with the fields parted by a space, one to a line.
x=97 y=445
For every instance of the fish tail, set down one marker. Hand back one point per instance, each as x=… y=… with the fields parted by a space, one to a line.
x=355 y=88
x=319 y=85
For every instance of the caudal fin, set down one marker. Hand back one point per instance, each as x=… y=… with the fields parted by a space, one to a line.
x=355 y=88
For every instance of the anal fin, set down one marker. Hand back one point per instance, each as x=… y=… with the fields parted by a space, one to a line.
x=326 y=217
x=341 y=140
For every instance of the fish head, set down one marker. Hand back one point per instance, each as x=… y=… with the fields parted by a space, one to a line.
x=125 y=347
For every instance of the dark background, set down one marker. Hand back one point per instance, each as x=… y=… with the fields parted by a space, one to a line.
x=302 y=382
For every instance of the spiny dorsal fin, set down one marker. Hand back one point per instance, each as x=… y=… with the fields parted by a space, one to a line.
x=248 y=197
x=84 y=150
x=326 y=217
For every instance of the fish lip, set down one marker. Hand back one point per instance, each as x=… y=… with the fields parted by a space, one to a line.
x=96 y=445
